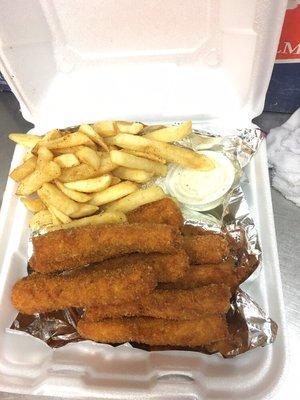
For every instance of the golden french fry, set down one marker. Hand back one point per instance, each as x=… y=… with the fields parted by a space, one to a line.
x=81 y=171
x=175 y=154
x=55 y=220
x=67 y=160
x=104 y=218
x=69 y=140
x=66 y=150
x=33 y=205
x=137 y=199
x=37 y=178
x=84 y=211
x=90 y=185
x=44 y=156
x=40 y=219
x=130 y=161
x=129 y=127
x=92 y=134
x=53 y=134
x=60 y=216
x=89 y=156
x=135 y=175
x=149 y=156
x=115 y=181
x=105 y=128
x=25 y=139
x=52 y=196
x=171 y=133
x=113 y=193
x=151 y=128
x=23 y=170
x=73 y=194
x=27 y=156
x=106 y=165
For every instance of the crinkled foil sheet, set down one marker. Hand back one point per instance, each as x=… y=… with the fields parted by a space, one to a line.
x=248 y=325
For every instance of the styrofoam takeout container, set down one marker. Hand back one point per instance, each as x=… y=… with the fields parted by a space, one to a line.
x=74 y=61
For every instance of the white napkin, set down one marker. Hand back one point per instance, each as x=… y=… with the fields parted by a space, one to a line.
x=283 y=144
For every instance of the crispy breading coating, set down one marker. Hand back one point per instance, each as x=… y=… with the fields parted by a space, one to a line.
x=164 y=211
x=201 y=275
x=155 y=332
x=71 y=248
x=83 y=287
x=169 y=304
x=168 y=267
x=206 y=249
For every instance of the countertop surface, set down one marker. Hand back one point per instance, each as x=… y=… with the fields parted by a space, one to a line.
x=287 y=222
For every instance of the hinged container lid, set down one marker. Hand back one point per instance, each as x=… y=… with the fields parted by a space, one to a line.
x=70 y=61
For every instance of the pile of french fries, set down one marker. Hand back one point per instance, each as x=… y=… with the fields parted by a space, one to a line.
x=94 y=174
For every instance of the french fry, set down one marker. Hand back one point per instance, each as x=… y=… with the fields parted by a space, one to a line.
x=130 y=161
x=40 y=219
x=171 y=133
x=37 y=178
x=59 y=215
x=90 y=185
x=84 y=211
x=137 y=199
x=23 y=170
x=66 y=150
x=149 y=156
x=55 y=220
x=113 y=193
x=135 y=175
x=69 y=140
x=93 y=135
x=73 y=194
x=25 y=139
x=105 y=218
x=44 y=156
x=53 y=134
x=89 y=156
x=105 y=128
x=33 y=205
x=115 y=181
x=171 y=153
x=81 y=171
x=67 y=160
x=106 y=165
x=52 y=196
x=135 y=128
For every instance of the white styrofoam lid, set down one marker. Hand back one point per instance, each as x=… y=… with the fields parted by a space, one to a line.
x=70 y=61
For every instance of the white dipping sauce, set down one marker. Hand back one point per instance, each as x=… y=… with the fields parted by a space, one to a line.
x=201 y=190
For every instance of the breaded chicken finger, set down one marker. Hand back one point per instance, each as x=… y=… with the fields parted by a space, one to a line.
x=83 y=287
x=71 y=248
x=201 y=275
x=169 y=304
x=152 y=331
x=206 y=249
x=164 y=211
x=168 y=267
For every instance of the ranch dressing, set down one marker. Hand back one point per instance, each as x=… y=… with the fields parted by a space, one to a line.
x=201 y=190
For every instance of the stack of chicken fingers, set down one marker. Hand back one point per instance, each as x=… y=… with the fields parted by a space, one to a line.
x=151 y=280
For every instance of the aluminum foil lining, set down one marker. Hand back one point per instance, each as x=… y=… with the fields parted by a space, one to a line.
x=248 y=325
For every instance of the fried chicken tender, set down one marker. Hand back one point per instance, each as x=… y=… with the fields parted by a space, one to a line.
x=71 y=248
x=168 y=267
x=82 y=287
x=206 y=249
x=169 y=304
x=164 y=211
x=155 y=332
x=191 y=230
x=201 y=275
